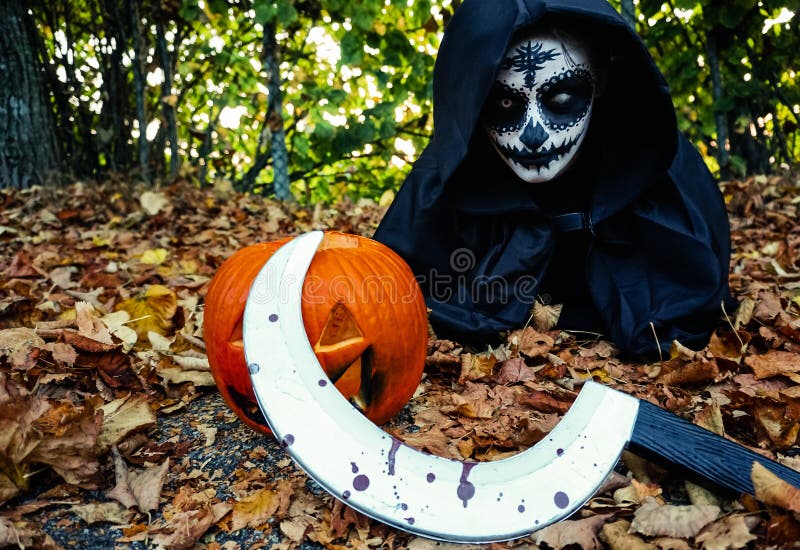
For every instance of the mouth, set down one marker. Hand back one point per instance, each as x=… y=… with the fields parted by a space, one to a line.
x=537 y=159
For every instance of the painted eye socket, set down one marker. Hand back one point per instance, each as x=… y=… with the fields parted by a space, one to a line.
x=505 y=109
x=566 y=98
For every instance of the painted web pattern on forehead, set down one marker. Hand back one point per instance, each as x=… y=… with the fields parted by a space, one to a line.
x=529 y=58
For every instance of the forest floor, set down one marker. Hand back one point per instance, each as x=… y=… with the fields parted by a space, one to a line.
x=112 y=434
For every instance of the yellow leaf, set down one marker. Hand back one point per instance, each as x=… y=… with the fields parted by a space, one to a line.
x=154 y=256
x=152 y=311
x=254 y=510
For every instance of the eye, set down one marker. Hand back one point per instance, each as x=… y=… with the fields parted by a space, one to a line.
x=568 y=97
x=562 y=98
x=506 y=103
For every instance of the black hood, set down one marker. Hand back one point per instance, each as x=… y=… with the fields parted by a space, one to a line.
x=634 y=118
x=636 y=176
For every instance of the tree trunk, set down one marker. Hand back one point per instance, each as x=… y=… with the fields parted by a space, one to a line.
x=277 y=147
x=168 y=100
x=139 y=86
x=720 y=114
x=28 y=150
x=629 y=12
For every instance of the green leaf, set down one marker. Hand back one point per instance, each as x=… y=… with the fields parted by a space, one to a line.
x=265 y=11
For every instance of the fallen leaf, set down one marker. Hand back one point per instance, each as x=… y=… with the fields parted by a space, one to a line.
x=111 y=512
x=254 y=510
x=545 y=316
x=773 y=363
x=768 y=307
x=532 y=343
x=581 y=532
x=123 y=417
x=69 y=448
x=618 y=537
x=773 y=491
x=142 y=489
x=184 y=529
x=476 y=367
x=656 y=520
x=179 y=376
x=729 y=533
x=153 y=202
x=90 y=325
x=294 y=529
x=545 y=402
x=154 y=256
x=152 y=311
x=19 y=345
x=514 y=371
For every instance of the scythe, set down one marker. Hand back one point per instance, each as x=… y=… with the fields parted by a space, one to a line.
x=445 y=499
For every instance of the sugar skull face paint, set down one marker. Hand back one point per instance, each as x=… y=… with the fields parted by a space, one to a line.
x=537 y=114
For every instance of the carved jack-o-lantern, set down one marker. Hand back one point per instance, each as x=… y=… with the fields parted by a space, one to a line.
x=363 y=312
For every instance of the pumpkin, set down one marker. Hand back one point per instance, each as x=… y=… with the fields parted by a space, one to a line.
x=363 y=312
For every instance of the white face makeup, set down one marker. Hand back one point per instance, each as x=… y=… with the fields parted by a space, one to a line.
x=537 y=114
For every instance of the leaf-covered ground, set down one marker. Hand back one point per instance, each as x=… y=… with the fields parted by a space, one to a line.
x=112 y=434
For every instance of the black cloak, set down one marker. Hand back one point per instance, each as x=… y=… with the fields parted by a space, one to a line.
x=633 y=239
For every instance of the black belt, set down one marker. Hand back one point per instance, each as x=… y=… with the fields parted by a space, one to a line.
x=573 y=221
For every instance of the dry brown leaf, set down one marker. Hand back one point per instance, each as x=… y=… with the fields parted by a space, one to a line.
x=514 y=371
x=545 y=316
x=20 y=346
x=655 y=520
x=581 y=532
x=546 y=402
x=184 y=529
x=123 y=417
x=477 y=367
x=142 y=489
x=8 y=489
x=773 y=363
x=179 y=376
x=667 y=543
x=254 y=510
x=730 y=533
x=64 y=354
x=531 y=342
x=768 y=307
x=772 y=490
x=696 y=372
x=618 y=537
x=710 y=418
x=70 y=449
x=744 y=313
x=295 y=529
x=90 y=325
x=111 y=512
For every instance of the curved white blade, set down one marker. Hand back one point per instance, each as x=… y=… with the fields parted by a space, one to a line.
x=381 y=477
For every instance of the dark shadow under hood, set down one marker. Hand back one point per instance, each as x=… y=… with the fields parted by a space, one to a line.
x=651 y=262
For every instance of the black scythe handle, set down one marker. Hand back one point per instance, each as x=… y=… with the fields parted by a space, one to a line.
x=660 y=434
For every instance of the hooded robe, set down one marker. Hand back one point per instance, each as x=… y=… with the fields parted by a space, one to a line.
x=633 y=239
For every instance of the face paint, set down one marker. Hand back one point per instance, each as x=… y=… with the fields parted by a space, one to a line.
x=539 y=108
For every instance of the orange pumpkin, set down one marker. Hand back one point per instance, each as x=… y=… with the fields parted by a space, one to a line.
x=363 y=312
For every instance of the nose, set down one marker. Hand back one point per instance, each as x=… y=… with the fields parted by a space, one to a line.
x=533 y=137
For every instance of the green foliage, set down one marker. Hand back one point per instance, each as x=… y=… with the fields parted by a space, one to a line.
x=356 y=84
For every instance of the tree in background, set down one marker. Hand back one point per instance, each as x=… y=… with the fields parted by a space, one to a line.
x=28 y=149
x=316 y=100
x=733 y=73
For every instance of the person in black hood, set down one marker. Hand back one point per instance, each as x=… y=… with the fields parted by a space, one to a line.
x=556 y=170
